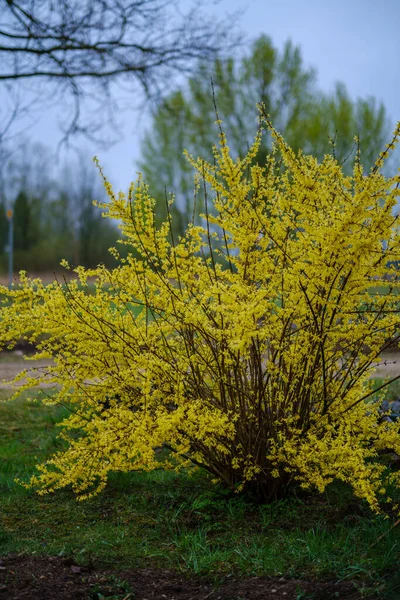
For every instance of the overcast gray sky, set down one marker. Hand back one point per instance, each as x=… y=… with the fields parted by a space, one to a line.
x=353 y=41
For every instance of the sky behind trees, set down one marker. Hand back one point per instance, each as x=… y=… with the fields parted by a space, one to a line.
x=354 y=41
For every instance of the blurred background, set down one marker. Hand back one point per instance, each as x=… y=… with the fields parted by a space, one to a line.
x=136 y=83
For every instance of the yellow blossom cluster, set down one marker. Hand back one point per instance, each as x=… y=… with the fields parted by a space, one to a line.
x=244 y=347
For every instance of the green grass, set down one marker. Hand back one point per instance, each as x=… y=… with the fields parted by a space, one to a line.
x=183 y=522
x=382 y=290
x=390 y=392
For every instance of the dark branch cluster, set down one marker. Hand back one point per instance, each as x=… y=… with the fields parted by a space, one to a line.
x=81 y=44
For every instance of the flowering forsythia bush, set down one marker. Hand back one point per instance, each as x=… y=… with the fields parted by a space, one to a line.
x=244 y=347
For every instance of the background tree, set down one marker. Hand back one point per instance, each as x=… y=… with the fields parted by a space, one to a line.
x=54 y=216
x=84 y=49
x=306 y=116
x=24 y=237
x=91 y=235
x=3 y=234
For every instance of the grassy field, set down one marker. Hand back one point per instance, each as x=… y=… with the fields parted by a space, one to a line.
x=392 y=392
x=184 y=523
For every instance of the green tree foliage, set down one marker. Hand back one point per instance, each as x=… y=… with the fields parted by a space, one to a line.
x=24 y=225
x=307 y=117
x=27 y=227
x=3 y=227
x=3 y=235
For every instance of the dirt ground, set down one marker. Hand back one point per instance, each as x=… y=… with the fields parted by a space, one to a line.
x=389 y=366
x=11 y=363
x=54 y=578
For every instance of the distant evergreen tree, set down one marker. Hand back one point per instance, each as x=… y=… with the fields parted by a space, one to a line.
x=3 y=228
x=22 y=223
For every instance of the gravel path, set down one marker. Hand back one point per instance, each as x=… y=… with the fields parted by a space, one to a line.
x=12 y=363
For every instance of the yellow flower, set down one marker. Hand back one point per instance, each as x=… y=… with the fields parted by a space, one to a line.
x=246 y=348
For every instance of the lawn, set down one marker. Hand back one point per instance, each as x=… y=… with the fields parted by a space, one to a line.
x=184 y=523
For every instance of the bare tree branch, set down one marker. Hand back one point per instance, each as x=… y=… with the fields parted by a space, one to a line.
x=91 y=46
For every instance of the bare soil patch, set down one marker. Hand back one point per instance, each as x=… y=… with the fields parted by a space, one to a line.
x=12 y=363
x=59 y=275
x=48 y=578
x=389 y=366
